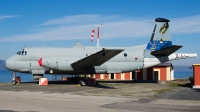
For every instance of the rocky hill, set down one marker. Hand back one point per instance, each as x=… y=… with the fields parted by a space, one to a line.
x=2 y=65
x=178 y=68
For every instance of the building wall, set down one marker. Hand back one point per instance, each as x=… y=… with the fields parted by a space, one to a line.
x=144 y=75
x=97 y=76
x=106 y=76
x=172 y=75
x=168 y=73
x=164 y=74
x=139 y=75
x=150 y=73
x=196 y=74
x=127 y=76
x=156 y=70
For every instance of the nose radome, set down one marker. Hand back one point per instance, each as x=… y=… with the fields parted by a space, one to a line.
x=6 y=64
x=40 y=62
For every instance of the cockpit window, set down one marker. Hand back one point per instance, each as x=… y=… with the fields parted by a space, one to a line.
x=19 y=52
x=22 y=52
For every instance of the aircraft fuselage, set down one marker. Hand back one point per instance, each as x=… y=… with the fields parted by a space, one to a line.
x=59 y=59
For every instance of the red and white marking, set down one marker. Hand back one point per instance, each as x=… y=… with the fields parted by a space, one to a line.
x=43 y=81
x=92 y=36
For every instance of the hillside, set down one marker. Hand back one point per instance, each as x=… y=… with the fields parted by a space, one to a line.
x=178 y=68
x=2 y=67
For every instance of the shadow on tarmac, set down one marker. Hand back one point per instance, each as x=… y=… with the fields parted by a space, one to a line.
x=104 y=83
x=196 y=90
x=69 y=83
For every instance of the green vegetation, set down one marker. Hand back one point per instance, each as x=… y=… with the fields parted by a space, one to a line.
x=174 y=84
x=191 y=78
x=109 y=84
x=179 y=83
x=162 y=90
x=126 y=95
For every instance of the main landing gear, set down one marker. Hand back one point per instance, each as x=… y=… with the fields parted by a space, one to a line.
x=82 y=82
x=87 y=81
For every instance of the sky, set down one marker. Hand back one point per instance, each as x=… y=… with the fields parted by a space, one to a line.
x=60 y=23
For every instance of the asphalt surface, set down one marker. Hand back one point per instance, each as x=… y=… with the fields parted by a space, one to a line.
x=181 y=94
x=106 y=97
x=178 y=100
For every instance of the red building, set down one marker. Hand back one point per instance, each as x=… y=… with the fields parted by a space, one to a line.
x=196 y=74
x=161 y=72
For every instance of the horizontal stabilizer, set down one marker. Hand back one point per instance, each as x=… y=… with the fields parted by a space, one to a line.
x=166 y=51
x=97 y=58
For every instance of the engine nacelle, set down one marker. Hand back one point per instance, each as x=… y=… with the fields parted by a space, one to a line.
x=58 y=63
x=36 y=77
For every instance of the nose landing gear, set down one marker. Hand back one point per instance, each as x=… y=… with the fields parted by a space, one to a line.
x=16 y=79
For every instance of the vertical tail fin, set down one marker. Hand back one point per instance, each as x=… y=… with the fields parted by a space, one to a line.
x=161 y=35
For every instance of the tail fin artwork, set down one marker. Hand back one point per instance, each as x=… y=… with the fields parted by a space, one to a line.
x=160 y=43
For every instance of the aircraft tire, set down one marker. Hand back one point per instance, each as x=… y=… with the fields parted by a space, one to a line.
x=14 y=82
x=82 y=83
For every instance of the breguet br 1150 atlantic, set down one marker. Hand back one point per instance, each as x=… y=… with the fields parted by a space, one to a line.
x=98 y=60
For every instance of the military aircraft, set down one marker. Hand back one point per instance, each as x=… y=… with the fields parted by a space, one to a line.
x=98 y=60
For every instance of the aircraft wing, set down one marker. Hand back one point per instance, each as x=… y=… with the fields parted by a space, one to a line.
x=166 y=51
x=97 y=58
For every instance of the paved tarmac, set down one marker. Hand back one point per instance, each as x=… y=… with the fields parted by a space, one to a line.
x=106 y=97
x=178 y=100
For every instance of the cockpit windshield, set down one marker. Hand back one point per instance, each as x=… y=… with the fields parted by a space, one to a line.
x=23 y=52
x=19 y=52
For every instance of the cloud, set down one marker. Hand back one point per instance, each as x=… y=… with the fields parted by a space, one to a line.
x=115 y=26
x=185 y=25
x=79 y=19
x=8 y=16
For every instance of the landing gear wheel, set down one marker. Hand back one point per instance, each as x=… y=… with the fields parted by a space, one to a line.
x=14 y=82
x=82 y=83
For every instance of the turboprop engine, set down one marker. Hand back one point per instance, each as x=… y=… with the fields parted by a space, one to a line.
x=58 y=63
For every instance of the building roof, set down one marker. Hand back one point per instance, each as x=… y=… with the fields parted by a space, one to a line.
x=165 y=65
x=196 y=64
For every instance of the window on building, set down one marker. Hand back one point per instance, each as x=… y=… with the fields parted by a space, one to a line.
x=133 y=75
x=91 y=75
x=156 y=75
x=112 y=75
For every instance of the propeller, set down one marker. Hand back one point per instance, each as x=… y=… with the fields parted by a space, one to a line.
x=40 y=62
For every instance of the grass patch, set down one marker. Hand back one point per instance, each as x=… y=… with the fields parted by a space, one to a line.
x=175 y=84
x=126 y=95
x=162 y=90
x=109 y=84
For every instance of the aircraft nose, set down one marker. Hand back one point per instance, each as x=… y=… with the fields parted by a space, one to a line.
x=40 y=62
x=6 y=63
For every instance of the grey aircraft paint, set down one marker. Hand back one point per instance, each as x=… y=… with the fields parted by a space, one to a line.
x=90 y=60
